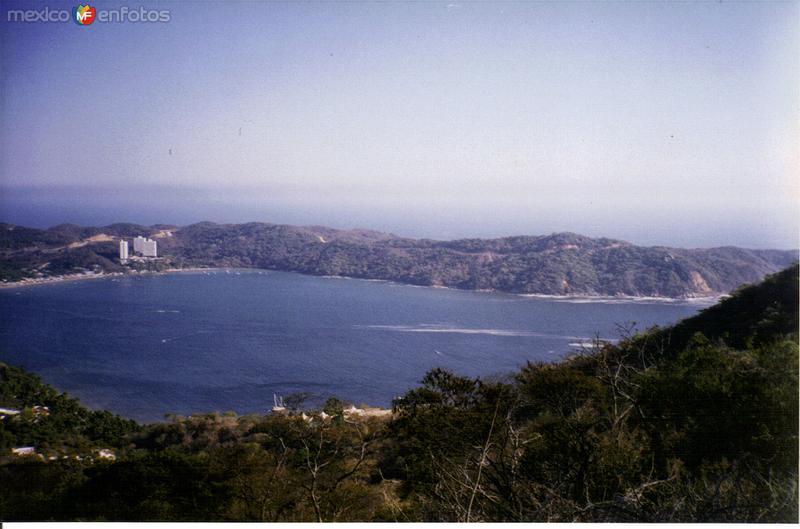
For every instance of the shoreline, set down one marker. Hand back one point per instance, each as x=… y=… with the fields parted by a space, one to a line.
x=566 y=298
x=29 y=282
x=586 y=298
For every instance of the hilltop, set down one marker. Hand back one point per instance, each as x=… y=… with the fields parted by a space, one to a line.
x=556 y=264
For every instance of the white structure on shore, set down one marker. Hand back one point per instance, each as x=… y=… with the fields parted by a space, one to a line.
x=138 y=244
x=279 y=407
x=143 y=246
x=150 y=248
x=123 y=250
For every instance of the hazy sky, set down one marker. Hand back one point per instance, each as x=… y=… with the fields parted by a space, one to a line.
x=661 y=123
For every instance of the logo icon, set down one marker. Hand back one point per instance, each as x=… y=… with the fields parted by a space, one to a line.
x=83 y=15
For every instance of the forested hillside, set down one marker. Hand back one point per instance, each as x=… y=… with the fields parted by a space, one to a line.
x=693 y=423
x=557 y=264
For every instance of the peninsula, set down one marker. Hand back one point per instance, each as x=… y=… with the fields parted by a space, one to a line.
x=557 y=264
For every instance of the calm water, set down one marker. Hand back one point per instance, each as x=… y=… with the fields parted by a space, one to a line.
x=195 y=342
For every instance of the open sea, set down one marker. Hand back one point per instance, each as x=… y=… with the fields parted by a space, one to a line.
x=197 y=342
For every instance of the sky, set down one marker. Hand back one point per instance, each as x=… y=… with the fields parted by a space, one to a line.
x=662 y=123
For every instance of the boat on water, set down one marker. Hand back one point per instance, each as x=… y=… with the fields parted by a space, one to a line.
x=278 y=406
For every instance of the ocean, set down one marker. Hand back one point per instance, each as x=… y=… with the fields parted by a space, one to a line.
x=195 y=342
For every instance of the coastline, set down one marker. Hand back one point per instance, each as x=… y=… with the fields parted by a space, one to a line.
x=28 y=282
x=623 y=298
x=565 y=298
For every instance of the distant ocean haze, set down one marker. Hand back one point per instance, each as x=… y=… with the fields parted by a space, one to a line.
x=642 y=221
x=228 y=340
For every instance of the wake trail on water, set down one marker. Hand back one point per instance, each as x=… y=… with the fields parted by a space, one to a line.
x=167 y=340
x=426 y=328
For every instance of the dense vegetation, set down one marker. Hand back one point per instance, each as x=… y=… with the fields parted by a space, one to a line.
x=52 y=421
x=563 y=263
x=697 y=422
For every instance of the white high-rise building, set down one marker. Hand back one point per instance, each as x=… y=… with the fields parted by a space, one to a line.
x=138 y=244
x=149 y=248
x=123 y=250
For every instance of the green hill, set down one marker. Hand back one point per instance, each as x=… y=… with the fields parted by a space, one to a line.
x=754 y=313
x=556 y=264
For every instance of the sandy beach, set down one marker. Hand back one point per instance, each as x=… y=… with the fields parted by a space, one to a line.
x=86 y=276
